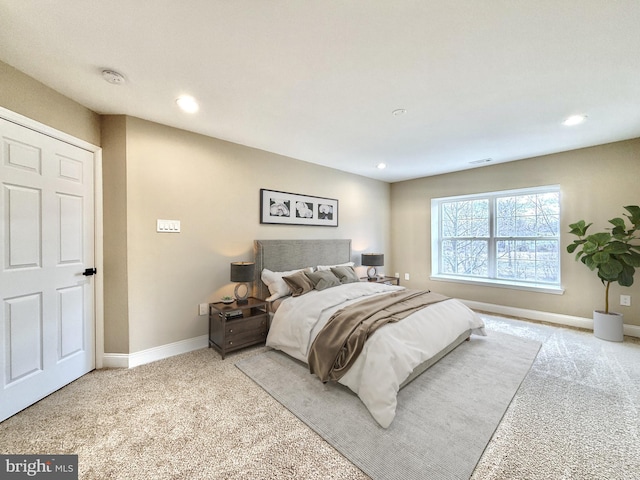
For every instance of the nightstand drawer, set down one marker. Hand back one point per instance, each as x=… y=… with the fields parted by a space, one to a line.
x=245 y=338
x=236 y=328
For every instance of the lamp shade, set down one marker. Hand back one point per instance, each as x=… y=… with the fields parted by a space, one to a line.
x=242 y=271
x=372 y=259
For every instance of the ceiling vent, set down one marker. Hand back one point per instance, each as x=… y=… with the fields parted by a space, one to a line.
x=484 y=160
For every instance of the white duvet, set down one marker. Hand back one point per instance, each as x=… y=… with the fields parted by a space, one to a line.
x=389 y=356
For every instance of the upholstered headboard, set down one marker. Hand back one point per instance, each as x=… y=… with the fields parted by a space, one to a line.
x=284 y=255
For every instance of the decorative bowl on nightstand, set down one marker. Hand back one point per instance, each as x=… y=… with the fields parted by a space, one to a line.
x=227 y=300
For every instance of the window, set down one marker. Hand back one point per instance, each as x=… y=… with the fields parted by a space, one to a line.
x=509 y=238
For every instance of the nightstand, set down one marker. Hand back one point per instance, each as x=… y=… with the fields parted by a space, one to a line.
x=382 y=279
x=233 y=326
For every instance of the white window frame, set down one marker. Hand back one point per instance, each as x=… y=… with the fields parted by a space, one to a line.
x=491 y=281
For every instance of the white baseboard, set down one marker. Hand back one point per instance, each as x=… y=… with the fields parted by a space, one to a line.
x=123 y=360
x=130 y=360
x=557 y=318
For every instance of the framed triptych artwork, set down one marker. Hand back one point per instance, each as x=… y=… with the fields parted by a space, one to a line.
x=296 y=209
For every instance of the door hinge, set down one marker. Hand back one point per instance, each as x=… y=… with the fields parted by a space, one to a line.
x=90 y=271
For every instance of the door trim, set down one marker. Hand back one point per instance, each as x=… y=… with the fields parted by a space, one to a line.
x=98 y=306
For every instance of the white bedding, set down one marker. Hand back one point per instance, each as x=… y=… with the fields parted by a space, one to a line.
x=389 y=356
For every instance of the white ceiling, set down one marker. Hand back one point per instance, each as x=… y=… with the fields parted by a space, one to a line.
x=317 y=80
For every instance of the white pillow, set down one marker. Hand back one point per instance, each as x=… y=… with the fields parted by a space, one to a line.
x=277 y=286
x=320 y=268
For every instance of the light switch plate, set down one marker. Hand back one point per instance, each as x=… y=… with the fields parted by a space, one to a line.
x=168 y=226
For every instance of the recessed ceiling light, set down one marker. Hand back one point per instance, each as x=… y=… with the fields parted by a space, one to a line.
x=399 y=111
x=574 y=120
x=187 y=103
x=113 y=77
x=381 y=166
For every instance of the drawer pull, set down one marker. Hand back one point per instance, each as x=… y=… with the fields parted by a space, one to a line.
x=230 y=343
x=231 y=330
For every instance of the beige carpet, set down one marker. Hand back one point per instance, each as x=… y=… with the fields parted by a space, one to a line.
x=196 y=416
x=193 y=416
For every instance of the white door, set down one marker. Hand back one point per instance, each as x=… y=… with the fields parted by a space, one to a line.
x=47 y=242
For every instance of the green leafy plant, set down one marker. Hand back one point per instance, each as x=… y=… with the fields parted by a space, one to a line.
x=613 y=254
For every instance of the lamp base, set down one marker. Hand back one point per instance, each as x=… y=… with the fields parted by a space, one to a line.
x=241 y=299
x=372 y=273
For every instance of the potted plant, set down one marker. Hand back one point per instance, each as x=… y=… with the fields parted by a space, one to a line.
x=614 y=255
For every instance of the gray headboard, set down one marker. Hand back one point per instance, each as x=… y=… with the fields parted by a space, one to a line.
x=284 y=255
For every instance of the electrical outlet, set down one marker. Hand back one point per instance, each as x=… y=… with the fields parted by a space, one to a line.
x=203 y=308
x=625 y=300
x=397 y=275
x=406 y=276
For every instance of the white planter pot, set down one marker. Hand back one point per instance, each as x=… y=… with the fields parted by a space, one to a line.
x=608 y=326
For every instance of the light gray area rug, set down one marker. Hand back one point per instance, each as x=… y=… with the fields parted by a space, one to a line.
x=444 y=419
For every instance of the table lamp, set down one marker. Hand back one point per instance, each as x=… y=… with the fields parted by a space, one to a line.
x=372 y=260
x=242 y=272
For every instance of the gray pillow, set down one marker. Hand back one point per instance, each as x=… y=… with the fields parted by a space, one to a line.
x=323 y=279
x=299 y=283
x=345 y=274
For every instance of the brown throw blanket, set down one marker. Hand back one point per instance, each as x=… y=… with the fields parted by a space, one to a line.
x=341 y=340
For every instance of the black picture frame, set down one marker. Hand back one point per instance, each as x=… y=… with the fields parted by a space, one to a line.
x=285 y=208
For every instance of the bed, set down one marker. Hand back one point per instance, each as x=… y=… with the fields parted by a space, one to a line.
x=392 y=357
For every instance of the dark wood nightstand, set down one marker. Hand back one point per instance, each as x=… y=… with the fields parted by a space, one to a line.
x=382 y=279
x=233 y=326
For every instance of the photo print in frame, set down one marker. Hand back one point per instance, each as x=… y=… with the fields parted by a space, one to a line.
x=283 y=208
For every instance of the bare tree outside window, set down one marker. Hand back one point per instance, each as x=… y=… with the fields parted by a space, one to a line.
x=527 y=237
x=465 y=237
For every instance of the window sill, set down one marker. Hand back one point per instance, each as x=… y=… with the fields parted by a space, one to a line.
x=485 y=282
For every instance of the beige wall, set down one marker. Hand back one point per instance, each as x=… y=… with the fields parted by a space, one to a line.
x=114 y=183
x=212 y=187
x=26 y=96
x=595 y=184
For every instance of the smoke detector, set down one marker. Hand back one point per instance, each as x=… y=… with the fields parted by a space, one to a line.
x=113 y=77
